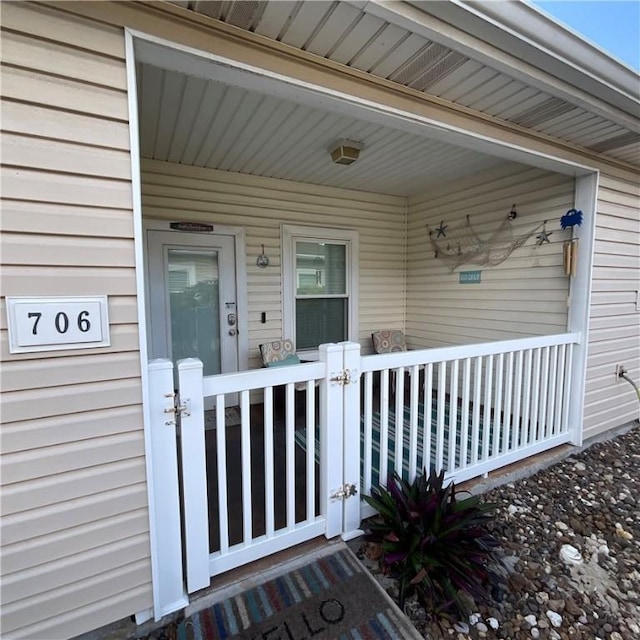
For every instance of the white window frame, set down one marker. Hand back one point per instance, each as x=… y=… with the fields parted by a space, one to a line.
x=292 y=234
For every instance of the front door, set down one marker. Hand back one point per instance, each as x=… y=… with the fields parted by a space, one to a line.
x=192 y=310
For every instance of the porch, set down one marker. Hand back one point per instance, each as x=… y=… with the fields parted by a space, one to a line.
x=297 y=464
x=496 y=370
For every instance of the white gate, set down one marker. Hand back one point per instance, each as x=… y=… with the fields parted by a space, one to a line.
x=278 y=477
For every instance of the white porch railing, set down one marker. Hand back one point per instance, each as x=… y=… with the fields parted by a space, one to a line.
x=469 y=409
x=277 y=476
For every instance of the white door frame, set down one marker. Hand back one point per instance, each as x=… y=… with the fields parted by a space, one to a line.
x=158 y=302
x=180 y=57
x=238 y=235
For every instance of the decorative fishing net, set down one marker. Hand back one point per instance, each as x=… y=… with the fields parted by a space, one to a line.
x=462 y=245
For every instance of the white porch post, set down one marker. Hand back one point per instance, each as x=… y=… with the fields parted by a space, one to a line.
x=351 y=454
x=331 y=440
x=170 y=594
x=194 y=474
x=580 y=299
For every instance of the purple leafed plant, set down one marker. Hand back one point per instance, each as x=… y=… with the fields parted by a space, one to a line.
x=434 y=544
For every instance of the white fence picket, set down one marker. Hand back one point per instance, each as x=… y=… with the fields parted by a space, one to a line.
x=535 y=403
x=413 y=422
x=311 y=451
x=487 y=424
x=507 y=416
x=269 y=467
x=516 y=425
x=367 y=428
x=464 y=435
x=477 y=394
x=245 y=447
x=221 y=451
x=427 y=446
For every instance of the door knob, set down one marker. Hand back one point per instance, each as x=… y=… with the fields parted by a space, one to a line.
x=232 y=332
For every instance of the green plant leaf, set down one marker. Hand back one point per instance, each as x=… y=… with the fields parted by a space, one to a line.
x=435 y=542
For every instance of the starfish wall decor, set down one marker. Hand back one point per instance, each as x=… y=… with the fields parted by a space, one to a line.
x=543 y=236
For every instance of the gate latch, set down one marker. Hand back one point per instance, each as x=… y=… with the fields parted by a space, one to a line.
x=343 y=378
x=345 y=491
x=181 y=407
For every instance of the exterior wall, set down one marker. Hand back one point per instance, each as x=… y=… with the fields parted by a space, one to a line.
x=75 y=542
x=614 y=326
x=261 y=205
x=525 y=295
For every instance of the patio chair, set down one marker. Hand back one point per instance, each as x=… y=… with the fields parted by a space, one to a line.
x=280 y=353
x=390 y=341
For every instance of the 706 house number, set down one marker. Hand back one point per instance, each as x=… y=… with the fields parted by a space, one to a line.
x=48 y=323
x=61 y=321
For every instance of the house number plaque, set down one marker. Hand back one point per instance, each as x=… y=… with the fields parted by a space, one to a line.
x=52 y=323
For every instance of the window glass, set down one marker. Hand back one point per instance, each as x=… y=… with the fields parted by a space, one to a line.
x=194 y=307
x=320 y=320
x=321 y=305
x=320 y=268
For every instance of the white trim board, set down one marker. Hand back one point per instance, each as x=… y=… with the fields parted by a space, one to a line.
x=242 y=304
x=168 y=589
x=289 y=234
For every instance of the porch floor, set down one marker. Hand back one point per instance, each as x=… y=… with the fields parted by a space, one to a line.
x=235 y=473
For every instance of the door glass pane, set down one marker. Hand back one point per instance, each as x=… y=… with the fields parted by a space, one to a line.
x=195 y=307
x=320 y=268
x=320 y=320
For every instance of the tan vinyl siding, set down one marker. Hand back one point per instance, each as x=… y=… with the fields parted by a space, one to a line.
x=525 y=295
x=75 y=532
x=261 y=205
x=614 y=326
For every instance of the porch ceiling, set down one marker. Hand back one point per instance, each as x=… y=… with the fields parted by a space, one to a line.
x=194 y=121
x=394 y=40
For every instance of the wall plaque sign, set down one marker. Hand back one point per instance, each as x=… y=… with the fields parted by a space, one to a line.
x=469 y=277
x=194 y=227
x=55 y=323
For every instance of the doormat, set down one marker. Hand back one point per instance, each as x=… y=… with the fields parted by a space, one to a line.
x=332 y=598
x=231 y=417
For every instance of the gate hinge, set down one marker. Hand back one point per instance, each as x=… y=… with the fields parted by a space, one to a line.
x=346 y=376
x=345 y=491
x=181 y=407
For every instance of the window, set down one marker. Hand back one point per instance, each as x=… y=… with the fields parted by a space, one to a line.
x=320 y=293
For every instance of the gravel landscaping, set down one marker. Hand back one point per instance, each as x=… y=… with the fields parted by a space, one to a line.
x=570 y=546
